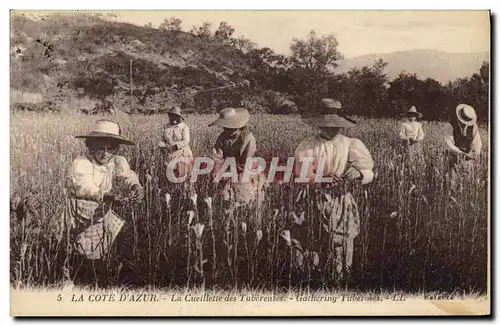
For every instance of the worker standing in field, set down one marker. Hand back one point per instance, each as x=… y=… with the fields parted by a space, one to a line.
x=411 y=135
x=411 y=131
x=96 y=181
x=347 y=161
x=464 y=145
x=175 y=144
x=236 y=141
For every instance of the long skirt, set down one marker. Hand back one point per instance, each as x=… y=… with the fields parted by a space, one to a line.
x=90 y=230
x=244 y=195
x=182 y=170
x=330 y=229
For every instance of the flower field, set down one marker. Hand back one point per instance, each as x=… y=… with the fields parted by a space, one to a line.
x=417 y=233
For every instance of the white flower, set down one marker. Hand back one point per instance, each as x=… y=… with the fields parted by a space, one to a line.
x=298 y=220
x=244 y=227
x=299 y=258
x=198 y=230
x=191 y=216
x=167 y=198
x=286 y=235
x=259 y=235
x=194 y=197
x=209 y=201
x=315 y=258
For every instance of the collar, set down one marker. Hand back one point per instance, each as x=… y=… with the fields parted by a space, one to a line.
x=327 y=138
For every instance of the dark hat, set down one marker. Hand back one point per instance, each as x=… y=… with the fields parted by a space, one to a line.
x=330 y=117
x=176 y=111
x=412 y=112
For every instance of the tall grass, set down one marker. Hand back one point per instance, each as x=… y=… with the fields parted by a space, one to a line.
x=417 y=234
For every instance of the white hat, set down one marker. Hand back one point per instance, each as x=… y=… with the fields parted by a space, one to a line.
x=107 y=129
x=466 y=114
x=232 y=118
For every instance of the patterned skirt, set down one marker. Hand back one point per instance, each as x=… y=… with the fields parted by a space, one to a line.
x=94 y=228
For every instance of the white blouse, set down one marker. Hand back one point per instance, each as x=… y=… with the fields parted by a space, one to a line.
x=89 y=180
x=411 y=130
x=340 y=154
x=177 y=136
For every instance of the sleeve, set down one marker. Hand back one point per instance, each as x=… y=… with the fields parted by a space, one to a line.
x=450 y=142
x=305 y=149
x=420 y=135
x=166 y=135
x=402 y=132
x=476 y=145
x=122 y=169
x=81 y=180
x=361 y=159
x=185 y=138
x=217 y=149
x=249 y=147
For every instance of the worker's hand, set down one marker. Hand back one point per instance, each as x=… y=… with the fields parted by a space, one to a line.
x=352 y=174
x=470 y=156
x=136 y=194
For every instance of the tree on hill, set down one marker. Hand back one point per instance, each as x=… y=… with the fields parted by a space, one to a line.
x=473 y=90
x=172 y=24
x=427 y=95
x=224 y=33
x=203 y=31
x=312 y=61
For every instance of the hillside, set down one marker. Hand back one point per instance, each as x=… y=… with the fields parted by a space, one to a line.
x=439 y=65
x=81 y=62
x=91 y=56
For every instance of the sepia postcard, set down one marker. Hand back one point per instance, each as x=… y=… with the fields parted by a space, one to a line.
x=250 y=163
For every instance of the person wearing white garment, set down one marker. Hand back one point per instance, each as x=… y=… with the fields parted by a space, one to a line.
x=97 y=180
x=346 y=160
x=175 y=144
x=412 y=135
x=411 y=132
x=464 y=145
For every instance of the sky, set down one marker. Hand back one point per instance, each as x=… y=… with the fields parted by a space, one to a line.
x=358 y=32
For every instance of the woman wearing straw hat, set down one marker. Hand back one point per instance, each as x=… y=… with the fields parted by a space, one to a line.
x=237 y=142
x=175 y=143
x=346 y=161
x=411 y=134
x=464 y=145
x=97 y=180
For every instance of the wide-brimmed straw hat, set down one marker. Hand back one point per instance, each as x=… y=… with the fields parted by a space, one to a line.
x=329 y=116
x=233 y=118
x=176 y=111
x=107 y=129
x=466 y=114
x=412 y=112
